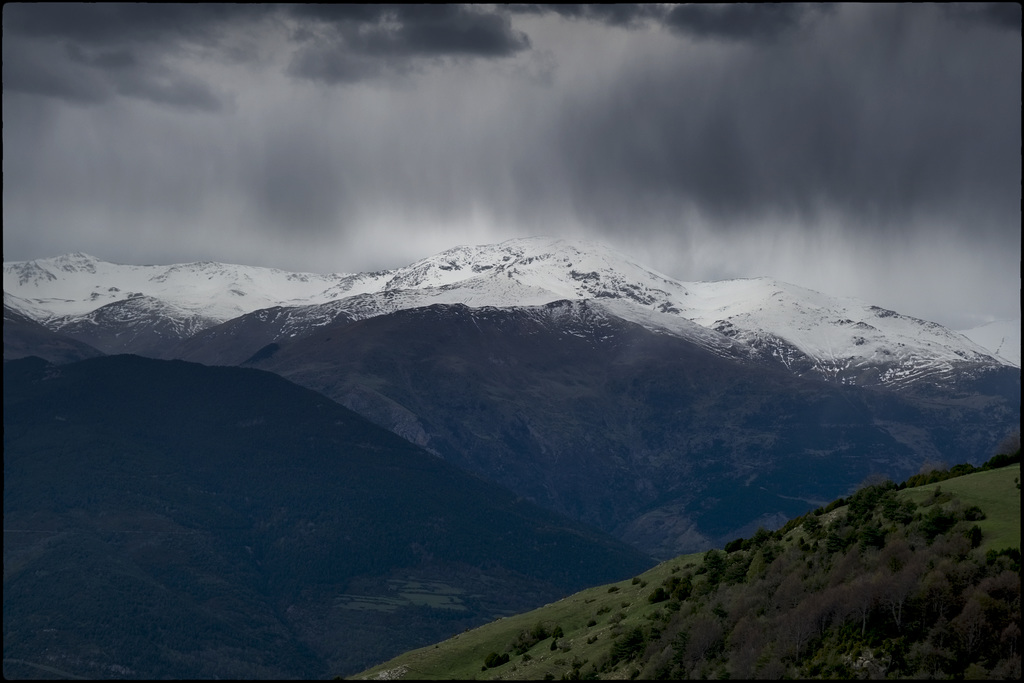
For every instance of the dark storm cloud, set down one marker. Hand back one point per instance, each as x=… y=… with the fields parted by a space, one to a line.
x=889 y=117
x=419 y=30
x=89 y=76
x=732 y=21
x=738 y=21
x=89 y=53
x=353 y=42
x=707 y=130
x=876 y=115
x=614 y=14
x=132 y=23
x=157 y=83
x=1005 y=15
x=104 y=59
x=48 y=70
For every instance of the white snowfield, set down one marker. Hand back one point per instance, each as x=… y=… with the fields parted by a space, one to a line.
x=805 y=330
x=76 y=284
x=1002 y=337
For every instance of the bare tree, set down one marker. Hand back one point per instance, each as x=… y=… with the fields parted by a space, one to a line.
x=789 y=593
x=861 y=597
x=796 y=626
x=896 y=589
x=705 y=633
x=1011 y=638
x=937 y=591
x=904 y=570
x=970 y=625
x=829 y=603
x=1009 y=445
x=746 y=642
x=931 y=465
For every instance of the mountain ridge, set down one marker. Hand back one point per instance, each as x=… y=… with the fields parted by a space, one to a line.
x=837 y=339
x=650 y=436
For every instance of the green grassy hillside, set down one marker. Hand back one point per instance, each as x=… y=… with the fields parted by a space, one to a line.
x=886 y=582
x=995 y=492
x=623 y=605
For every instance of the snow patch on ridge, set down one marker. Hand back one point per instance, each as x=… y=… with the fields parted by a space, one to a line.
x=1001 y=337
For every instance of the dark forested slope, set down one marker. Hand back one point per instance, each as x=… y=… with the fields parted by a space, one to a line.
x=166 y=519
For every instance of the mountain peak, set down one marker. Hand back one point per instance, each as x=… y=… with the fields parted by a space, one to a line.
x=76 y=261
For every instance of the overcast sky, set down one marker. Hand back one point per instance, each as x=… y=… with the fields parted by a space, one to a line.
x=860 y=150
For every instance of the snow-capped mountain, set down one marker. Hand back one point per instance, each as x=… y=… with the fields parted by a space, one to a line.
x=144 y=309
x=835 y=338
x=24 y=307
x=77 y=284
x=1001 y=337
x=669 y=413
x=24 y=336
